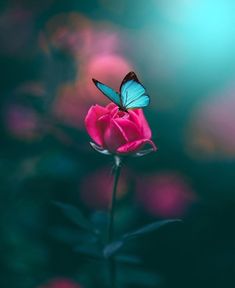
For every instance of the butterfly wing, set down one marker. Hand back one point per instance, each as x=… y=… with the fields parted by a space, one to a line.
x=108 y=92
x=133 y=93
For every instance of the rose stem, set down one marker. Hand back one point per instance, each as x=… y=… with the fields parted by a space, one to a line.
x=112 y=264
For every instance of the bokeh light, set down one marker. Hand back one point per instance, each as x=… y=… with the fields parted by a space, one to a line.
x=95 y=190
x=164 y=194
x=22 y=122
x=70 y=32
x=108 y=68
x=60 y=283
x=211 y=132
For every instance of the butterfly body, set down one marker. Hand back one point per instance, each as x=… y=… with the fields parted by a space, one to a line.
x=132 y=93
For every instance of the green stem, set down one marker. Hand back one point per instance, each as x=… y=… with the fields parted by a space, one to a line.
x=112 y=264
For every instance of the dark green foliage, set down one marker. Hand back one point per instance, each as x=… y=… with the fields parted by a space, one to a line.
x=115 y=246
x=76 y=216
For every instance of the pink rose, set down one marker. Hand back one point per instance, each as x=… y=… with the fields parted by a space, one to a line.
x=117 y=131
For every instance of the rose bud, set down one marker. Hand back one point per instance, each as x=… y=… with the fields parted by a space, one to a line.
x=118 y=132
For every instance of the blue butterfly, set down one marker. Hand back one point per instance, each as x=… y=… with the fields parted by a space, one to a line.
x=132 y=93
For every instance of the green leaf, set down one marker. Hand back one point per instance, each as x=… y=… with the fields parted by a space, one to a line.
x=112 y=248
x=148 y=228
x=99 y=220
x=115 y=246
x=76 y=216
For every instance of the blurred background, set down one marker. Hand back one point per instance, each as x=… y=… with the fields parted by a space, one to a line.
x=183 y=52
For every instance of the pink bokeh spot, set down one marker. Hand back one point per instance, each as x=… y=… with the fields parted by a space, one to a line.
x=69 y=32
x=96 y=189
x=211 y=131
x=98 y=50
x=108 y=68
x=22 y=122
x=68 y=106
x=81 y=36
x=73 y=100
x=164 y=195
x=60 y=283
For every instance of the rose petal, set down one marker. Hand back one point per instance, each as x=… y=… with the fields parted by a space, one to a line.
x=121 y=114
x=135 y=146
x=113 y=136
x=93 y=126
x=137 y=116
x=111 y=106
x=130 y=130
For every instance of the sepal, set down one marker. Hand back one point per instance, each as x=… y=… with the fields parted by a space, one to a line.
x=100 y=149
x=143 y=152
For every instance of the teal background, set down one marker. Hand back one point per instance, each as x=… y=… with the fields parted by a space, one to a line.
x=183 y=53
